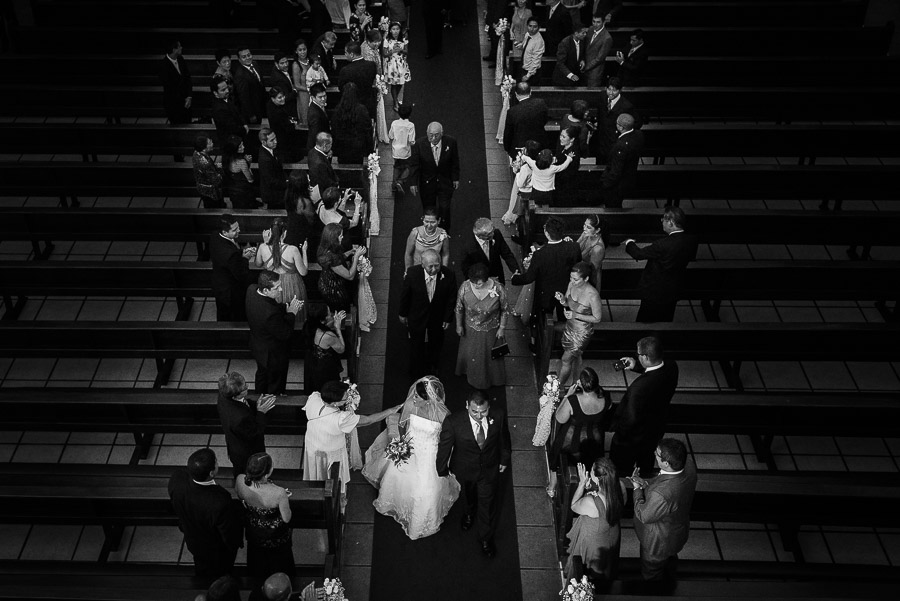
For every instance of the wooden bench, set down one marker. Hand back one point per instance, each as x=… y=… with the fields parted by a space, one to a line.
x=116 y=496
x=144 y=413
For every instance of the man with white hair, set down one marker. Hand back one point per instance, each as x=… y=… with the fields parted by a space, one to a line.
x=487 y=246
x=434 y=168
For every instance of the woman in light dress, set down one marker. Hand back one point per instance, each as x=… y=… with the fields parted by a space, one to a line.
x=286 y=260
x=428 y=236
x=413 y=493
x=518 y=27
x=299 y=68
x=583 y=309
x=396 y=69
x=595 y=535
x=481 y=314
x=593 y=249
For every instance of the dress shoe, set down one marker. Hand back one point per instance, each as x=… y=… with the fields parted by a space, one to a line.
x=467 y=522
x=487 y=547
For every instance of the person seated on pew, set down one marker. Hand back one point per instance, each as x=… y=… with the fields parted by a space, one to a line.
x=620 y=174
x=283 y=121
x=630 y=65
x=543 y=175
x=566 y=180
x=570 y=60
x=238 y=178
x=608 y=112
x=207 y=174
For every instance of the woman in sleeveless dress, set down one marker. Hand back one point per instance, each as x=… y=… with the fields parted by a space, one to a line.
x=584 y=415
x=593 y=249
x=518 y=26
x=238 y=177
x=595 y=535
x=299 y=67
x=287 y=261
x=323 y=362
x=396 y=69
x=267 y=514
x=338 y=271
x=428 y=236
x=582 y=310
x=413 y=493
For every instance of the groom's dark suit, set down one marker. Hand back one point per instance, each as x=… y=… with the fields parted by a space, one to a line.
x=477 y=469
x=426 y=318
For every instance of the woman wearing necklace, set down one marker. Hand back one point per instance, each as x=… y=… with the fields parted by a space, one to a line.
x=481 y=314
x=428 y=236
x=593 y=249
x=582 y=310
x=299 y=67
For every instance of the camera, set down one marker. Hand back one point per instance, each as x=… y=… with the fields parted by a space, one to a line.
x=619 y=365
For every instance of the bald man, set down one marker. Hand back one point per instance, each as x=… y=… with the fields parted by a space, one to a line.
x=277 y=587
x=620 y=173
x=434 y=170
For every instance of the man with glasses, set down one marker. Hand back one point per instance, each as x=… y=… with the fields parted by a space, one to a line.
x=641 y=417
x=243 y=419
x=662 y=510
x=271 y=327
x=488 y=246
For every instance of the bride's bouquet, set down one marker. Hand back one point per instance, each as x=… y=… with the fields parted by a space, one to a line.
x=400 y=449
x=549 y=401
x=578 y=591
x=334 y=590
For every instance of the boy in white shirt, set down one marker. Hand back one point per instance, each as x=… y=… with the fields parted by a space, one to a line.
x=402 y=136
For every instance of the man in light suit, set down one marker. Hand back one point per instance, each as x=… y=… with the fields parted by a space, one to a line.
x=532 y=50
x=476 y=447
x=487 y=246
x=558 y=26
x=662 y=510
x=597 y=48
x=434 y=167
x=570 y=60
x=524 y=121
x=426 y=309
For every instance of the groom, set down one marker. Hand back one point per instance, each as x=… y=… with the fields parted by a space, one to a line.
x=476 y=447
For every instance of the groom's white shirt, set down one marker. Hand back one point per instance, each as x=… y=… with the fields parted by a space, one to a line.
x=474 y=424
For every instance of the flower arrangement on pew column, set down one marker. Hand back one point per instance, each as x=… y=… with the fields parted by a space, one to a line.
x=578 y=590
x=549 y=401
x=506 y=86
x=368 y=312
x=334 y=590
x=500 y=28
x=373 y=168
x=352 y=439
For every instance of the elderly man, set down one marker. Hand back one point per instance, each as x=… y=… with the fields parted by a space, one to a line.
x=434 y=168
x=324 y=48
x=321 y=173
x=243 y=419
x=487 y=246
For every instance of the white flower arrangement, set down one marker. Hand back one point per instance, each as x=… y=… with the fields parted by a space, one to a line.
x=384 y=24
x=334 y=590
x=399 y=449
x=578 y=590
x=493 y=292
x=548 y=401
x=364 y=269
x=506 y=85
x=373 y=164
x=442 y=236
x=382 y=85
x=353 y=396
x=501 y=26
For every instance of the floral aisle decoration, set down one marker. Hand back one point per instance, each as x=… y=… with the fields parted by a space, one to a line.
x=500 y=28
x=506 y=87
x=549 y=401
x=373 y=168
x=578 y=590
x=352 y=439
x=334 y=590
x=368 y=312
x=525 y=302
x=400 y=449
x=381 y=128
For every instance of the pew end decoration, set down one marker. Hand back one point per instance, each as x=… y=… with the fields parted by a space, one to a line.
x=368 y=312
x=500 y=28
x=351 y=440
x=577 y=590
x=549 y=401
x=373 y=168
x=334 y=590
x=400 y=449
x=506 y=86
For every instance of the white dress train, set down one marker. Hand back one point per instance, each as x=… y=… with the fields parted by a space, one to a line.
x=413 y=494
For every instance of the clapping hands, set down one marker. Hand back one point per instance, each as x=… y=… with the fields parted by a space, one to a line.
x=295 y=305
x=265 y=402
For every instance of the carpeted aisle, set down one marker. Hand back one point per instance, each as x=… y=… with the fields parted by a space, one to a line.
x=449 y=565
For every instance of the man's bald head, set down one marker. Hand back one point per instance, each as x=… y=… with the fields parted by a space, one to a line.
x=277 y=587
x=625 y=122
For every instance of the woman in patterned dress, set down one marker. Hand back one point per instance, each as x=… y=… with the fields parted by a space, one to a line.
x=396 y=69
x=593 y=249
x=428 y=236
x=338 y=268
x=360 y=22
x=481 y=314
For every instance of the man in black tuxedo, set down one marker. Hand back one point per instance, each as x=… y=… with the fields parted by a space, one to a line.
x=280 y=77
x=426 y=309
x=324 y=49
x=524 y=121
x=176 y=83
x=631 y=64
x=271 y=328
x=283 y=121
x=641 y=417
x=570 y=60
x=272 y=181
x=607 y=113
x=434 y=167
x=321 y=173
x=207 y=515
x=316 y=117
x=230 y=270
x=558 y=25
x=667 y=260
x=475 y=445
x=620 y=174
x=243 y=420
x=249 y=88
x=487 y=246
x=362 y=73
x=549 y=269
x=226 y=115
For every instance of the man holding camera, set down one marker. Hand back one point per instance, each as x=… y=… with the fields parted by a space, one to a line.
x=641 y=417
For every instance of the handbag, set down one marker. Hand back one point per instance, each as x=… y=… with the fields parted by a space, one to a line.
x=500 y=350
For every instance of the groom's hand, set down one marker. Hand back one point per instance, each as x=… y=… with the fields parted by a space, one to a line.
x=502 y=468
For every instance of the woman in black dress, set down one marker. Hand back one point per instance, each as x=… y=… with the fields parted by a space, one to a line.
x=323 y=361
x=566 y=179
x=351 y=127
x=300 y=211
x=238 y=177
x=338 y=268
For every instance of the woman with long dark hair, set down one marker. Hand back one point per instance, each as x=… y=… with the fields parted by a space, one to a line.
x=323 y=362
x=238 y=177
x=338 y=268
x=351 y=127
x=300 y=211
x=286 y=260
x=595 y=535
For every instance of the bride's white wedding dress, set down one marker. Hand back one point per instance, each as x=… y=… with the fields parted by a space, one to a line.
x=413 y=494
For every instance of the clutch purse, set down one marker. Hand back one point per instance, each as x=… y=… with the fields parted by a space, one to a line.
x=500 y=351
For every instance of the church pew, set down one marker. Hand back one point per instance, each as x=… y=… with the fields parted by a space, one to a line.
x=799 y=70
x=739 y=103
x=116 y=496
x=144 y=413
x=669 y=41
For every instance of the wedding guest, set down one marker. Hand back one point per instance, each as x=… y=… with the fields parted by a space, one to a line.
x=316 y=117
x=351 y=127
x=487 y=245
x=283 y=122
x=267 y=517
x=362 y=73
x=230 y=270
x=371 y=49
x=280 y=77
x=249 y=88
x=321 y=172
x=238 y=177
x=593 y=248
x=272 y=182
x=543 y=175
x=524 y=121
x=207 y=174
x=333 y=205
x=226 y=114
x=402 y=136
x=532 y=51
x=223 y=67
x=209 y=520
x=339 y=269
x=360 y=22
x=518 y=26
x=582 y=309
x=398 y=11
x=324 y=49
x=243 y=419
x=576 y=117
x=426 y=306
x=550 y=267
x=323 y=362
x=428 y=236
x=520 y=194
x=299 y=67
x=570 y=59
x=176 y=82
x=567 y=180
x=434 y=168
x=288 y=261
x=631 y=64
x=271 y=327
x=596 y=535
x=396 y=69
x=620 y=174
x=481 y=314
x=316 y=73
x=300 y=211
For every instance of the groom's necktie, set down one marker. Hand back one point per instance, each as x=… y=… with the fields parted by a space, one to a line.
x=479 y=437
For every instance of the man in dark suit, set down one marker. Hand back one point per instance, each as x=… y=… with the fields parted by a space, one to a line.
x=230 y=270
x=558 y=25
x=608 y=113
x=207 y=515
x=641 y=416
x=272 y=181
x=434 y=167
x=549 y=269
x=620 y=173
x=631 y=64
x=667 y=260
x=225 y=113
x=362 y=73
x=487 y=246
x=271 y=327
x=324 y=49
x=426 y=309
x=662 y=510
x=321 y=173
x=317 y=118
x=570 y=60
x=525 y=121
x=249 y=88
x=475 y=445
x=280 y=77
x=177 y=87
x=243 y=420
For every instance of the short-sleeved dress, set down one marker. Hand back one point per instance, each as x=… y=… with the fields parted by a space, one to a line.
x=357 y=31
x=425 y=241
x=335 y=289
x=396 y=69
x=582 y=437
x=482 y=319
x=330 y=436
x=595 y=541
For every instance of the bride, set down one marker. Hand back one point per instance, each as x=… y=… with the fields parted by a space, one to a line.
x=413 y=494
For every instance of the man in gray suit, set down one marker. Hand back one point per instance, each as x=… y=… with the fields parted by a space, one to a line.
x=662 y=507
x=597 y=46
